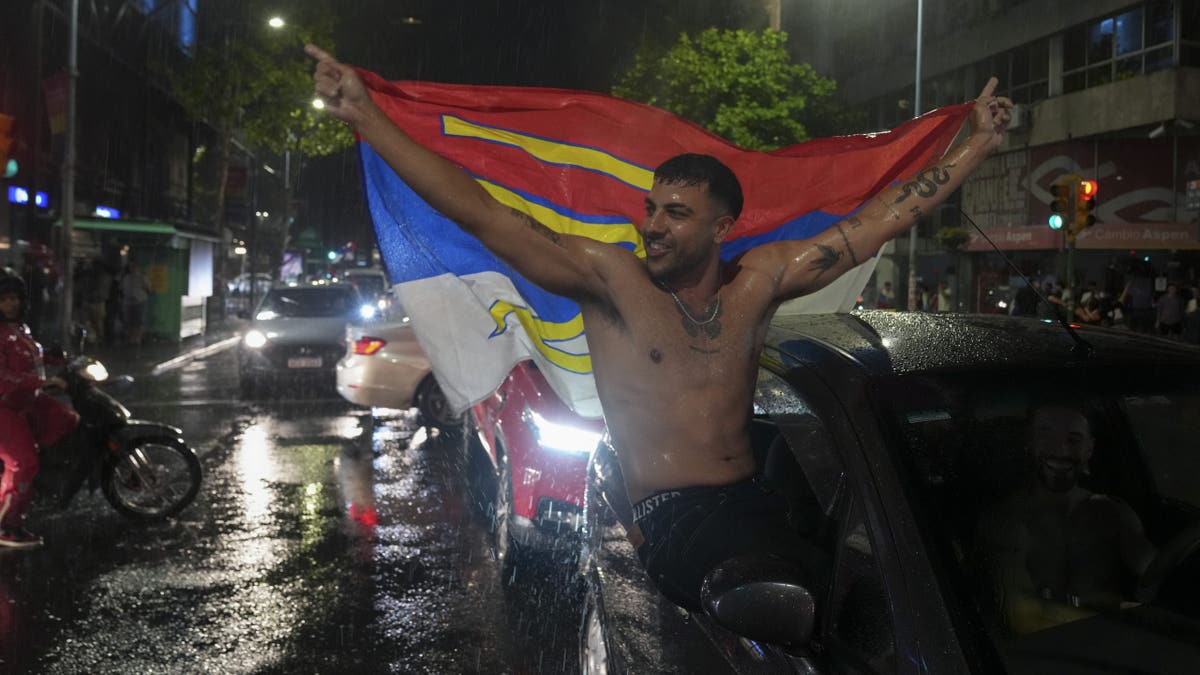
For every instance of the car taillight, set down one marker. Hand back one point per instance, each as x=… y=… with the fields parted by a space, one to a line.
x=367 y=345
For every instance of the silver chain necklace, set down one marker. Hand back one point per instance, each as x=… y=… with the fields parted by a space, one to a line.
x=713 y=314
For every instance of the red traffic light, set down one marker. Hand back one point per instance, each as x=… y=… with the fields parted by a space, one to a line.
x=1087 y=188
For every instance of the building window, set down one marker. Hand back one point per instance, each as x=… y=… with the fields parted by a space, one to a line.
x=1118 y=47
x=1189 y=33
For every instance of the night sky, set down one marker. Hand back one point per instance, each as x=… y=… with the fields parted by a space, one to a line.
x=549 y=43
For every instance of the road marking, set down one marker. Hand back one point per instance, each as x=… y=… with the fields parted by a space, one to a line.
x=201 y=352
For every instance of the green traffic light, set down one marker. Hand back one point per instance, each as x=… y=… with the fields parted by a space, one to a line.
x=1056 y=222
x=11 y=168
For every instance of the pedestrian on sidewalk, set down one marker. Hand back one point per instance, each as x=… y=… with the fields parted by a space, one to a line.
x=135 y=292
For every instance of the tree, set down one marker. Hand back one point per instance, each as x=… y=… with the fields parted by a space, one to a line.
x=248 y=81
x=741 y=85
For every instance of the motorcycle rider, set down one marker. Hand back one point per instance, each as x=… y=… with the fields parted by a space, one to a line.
x=29 y=417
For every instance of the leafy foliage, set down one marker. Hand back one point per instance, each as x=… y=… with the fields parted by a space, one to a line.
x=741 y=85
x=257 y=82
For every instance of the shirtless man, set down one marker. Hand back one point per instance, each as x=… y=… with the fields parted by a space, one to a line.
x=1057 y=551
x=674 y=338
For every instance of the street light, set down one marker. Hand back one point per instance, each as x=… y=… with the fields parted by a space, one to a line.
x=276 y=22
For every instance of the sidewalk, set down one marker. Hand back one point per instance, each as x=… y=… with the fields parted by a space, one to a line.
x=156 y=356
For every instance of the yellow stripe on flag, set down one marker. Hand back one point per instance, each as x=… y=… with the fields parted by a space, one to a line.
x=541 y=331
x=624 y=233
x=554 y=152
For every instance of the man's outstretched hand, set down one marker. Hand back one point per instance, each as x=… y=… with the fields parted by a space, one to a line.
x=990 y=116
x=340 y=87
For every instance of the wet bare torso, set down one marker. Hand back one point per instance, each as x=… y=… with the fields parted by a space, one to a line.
x=677 y=401
x=1075 y=549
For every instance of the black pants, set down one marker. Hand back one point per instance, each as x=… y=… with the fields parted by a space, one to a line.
x=691 y=530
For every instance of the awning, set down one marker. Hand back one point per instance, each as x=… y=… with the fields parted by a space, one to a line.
x=137 y=227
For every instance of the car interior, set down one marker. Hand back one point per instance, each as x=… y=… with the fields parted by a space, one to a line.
x=966 y=450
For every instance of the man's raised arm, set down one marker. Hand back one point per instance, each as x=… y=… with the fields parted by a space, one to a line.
x=560 y=264
x=803 y=267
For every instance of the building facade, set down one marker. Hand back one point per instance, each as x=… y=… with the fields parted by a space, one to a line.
x=145 y=173
x=1107 y=90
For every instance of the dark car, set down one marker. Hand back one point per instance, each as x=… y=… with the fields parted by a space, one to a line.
x=537 y=448
x=297 y=335
x=898 y=438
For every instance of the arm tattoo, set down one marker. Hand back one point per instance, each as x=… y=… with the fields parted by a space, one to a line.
x=538 y=227
x=828 y=258
x=917 y=212
x=926 y=183
x=853 y=258
x=890 y=208
x=855 y=222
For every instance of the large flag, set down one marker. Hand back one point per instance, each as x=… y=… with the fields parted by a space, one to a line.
x=581 y=163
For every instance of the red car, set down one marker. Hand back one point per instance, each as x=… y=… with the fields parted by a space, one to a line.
x=538 y=449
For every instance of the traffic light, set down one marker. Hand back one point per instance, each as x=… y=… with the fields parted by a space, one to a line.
x=1060 y=203
x=6 y=122
x=1085 y=203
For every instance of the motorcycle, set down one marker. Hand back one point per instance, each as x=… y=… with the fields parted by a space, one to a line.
x=144 y=469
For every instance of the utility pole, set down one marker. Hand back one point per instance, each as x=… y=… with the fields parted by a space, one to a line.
x=912 y=234
x=68 y=200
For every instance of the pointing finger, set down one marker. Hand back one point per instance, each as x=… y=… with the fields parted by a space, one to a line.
x=319 y=54
x=987 y=89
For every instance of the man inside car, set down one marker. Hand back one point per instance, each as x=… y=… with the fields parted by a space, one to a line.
x=674 y=338
x=1056 y=551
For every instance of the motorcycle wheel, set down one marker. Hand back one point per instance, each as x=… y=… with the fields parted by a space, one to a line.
x=154 y=479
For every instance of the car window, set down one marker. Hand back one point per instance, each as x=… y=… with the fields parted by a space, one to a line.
x=810 y=472
x=1050 y=498
x=369 y=285
x=307 y=303
x=861 y=637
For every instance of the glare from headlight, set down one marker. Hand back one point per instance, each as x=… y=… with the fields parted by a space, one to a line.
x=367 y=311
x=562 y=437
x=254 y=339
x=405 y=319
x=266 y=315
x=96 y=372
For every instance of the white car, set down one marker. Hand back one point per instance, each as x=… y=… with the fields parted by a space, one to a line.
x=384 y=367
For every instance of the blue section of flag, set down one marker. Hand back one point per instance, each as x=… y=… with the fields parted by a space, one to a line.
x=417 y=242
x=803 y=227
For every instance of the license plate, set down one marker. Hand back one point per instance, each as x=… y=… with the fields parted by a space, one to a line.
x=304 y=362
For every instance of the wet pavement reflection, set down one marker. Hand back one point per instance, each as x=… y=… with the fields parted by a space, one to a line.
x=325 y=539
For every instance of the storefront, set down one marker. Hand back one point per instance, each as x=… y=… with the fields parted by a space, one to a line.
x=177 y=262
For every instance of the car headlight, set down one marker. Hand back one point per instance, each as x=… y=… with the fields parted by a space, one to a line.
x=561 y=437
x=367 y=311
x=254 y=339
x=95 y=371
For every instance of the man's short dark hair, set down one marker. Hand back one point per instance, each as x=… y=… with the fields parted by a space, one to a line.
x=693 y=169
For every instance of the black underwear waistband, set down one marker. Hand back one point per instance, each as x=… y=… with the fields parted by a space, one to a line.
x=645 y=507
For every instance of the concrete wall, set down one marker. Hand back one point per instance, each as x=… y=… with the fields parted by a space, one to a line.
x=1139 y=101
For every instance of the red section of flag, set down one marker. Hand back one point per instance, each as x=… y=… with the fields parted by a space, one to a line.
x=833 y=175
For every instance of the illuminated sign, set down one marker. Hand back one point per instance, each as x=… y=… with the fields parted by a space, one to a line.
x=19 y=195
x=106 y=212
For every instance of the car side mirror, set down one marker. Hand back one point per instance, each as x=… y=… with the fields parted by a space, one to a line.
x=762 y=598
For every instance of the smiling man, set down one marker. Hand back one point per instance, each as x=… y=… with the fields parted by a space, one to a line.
x=674 y=338
x=1057 y=551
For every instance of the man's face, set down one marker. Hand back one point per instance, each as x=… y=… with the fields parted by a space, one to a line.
x=10 y=306
x=682 y=229
x=1060 y=441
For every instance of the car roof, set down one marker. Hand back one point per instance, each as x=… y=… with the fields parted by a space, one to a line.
x=885 y=342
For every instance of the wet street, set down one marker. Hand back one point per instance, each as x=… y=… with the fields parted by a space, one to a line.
x=323 y=541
